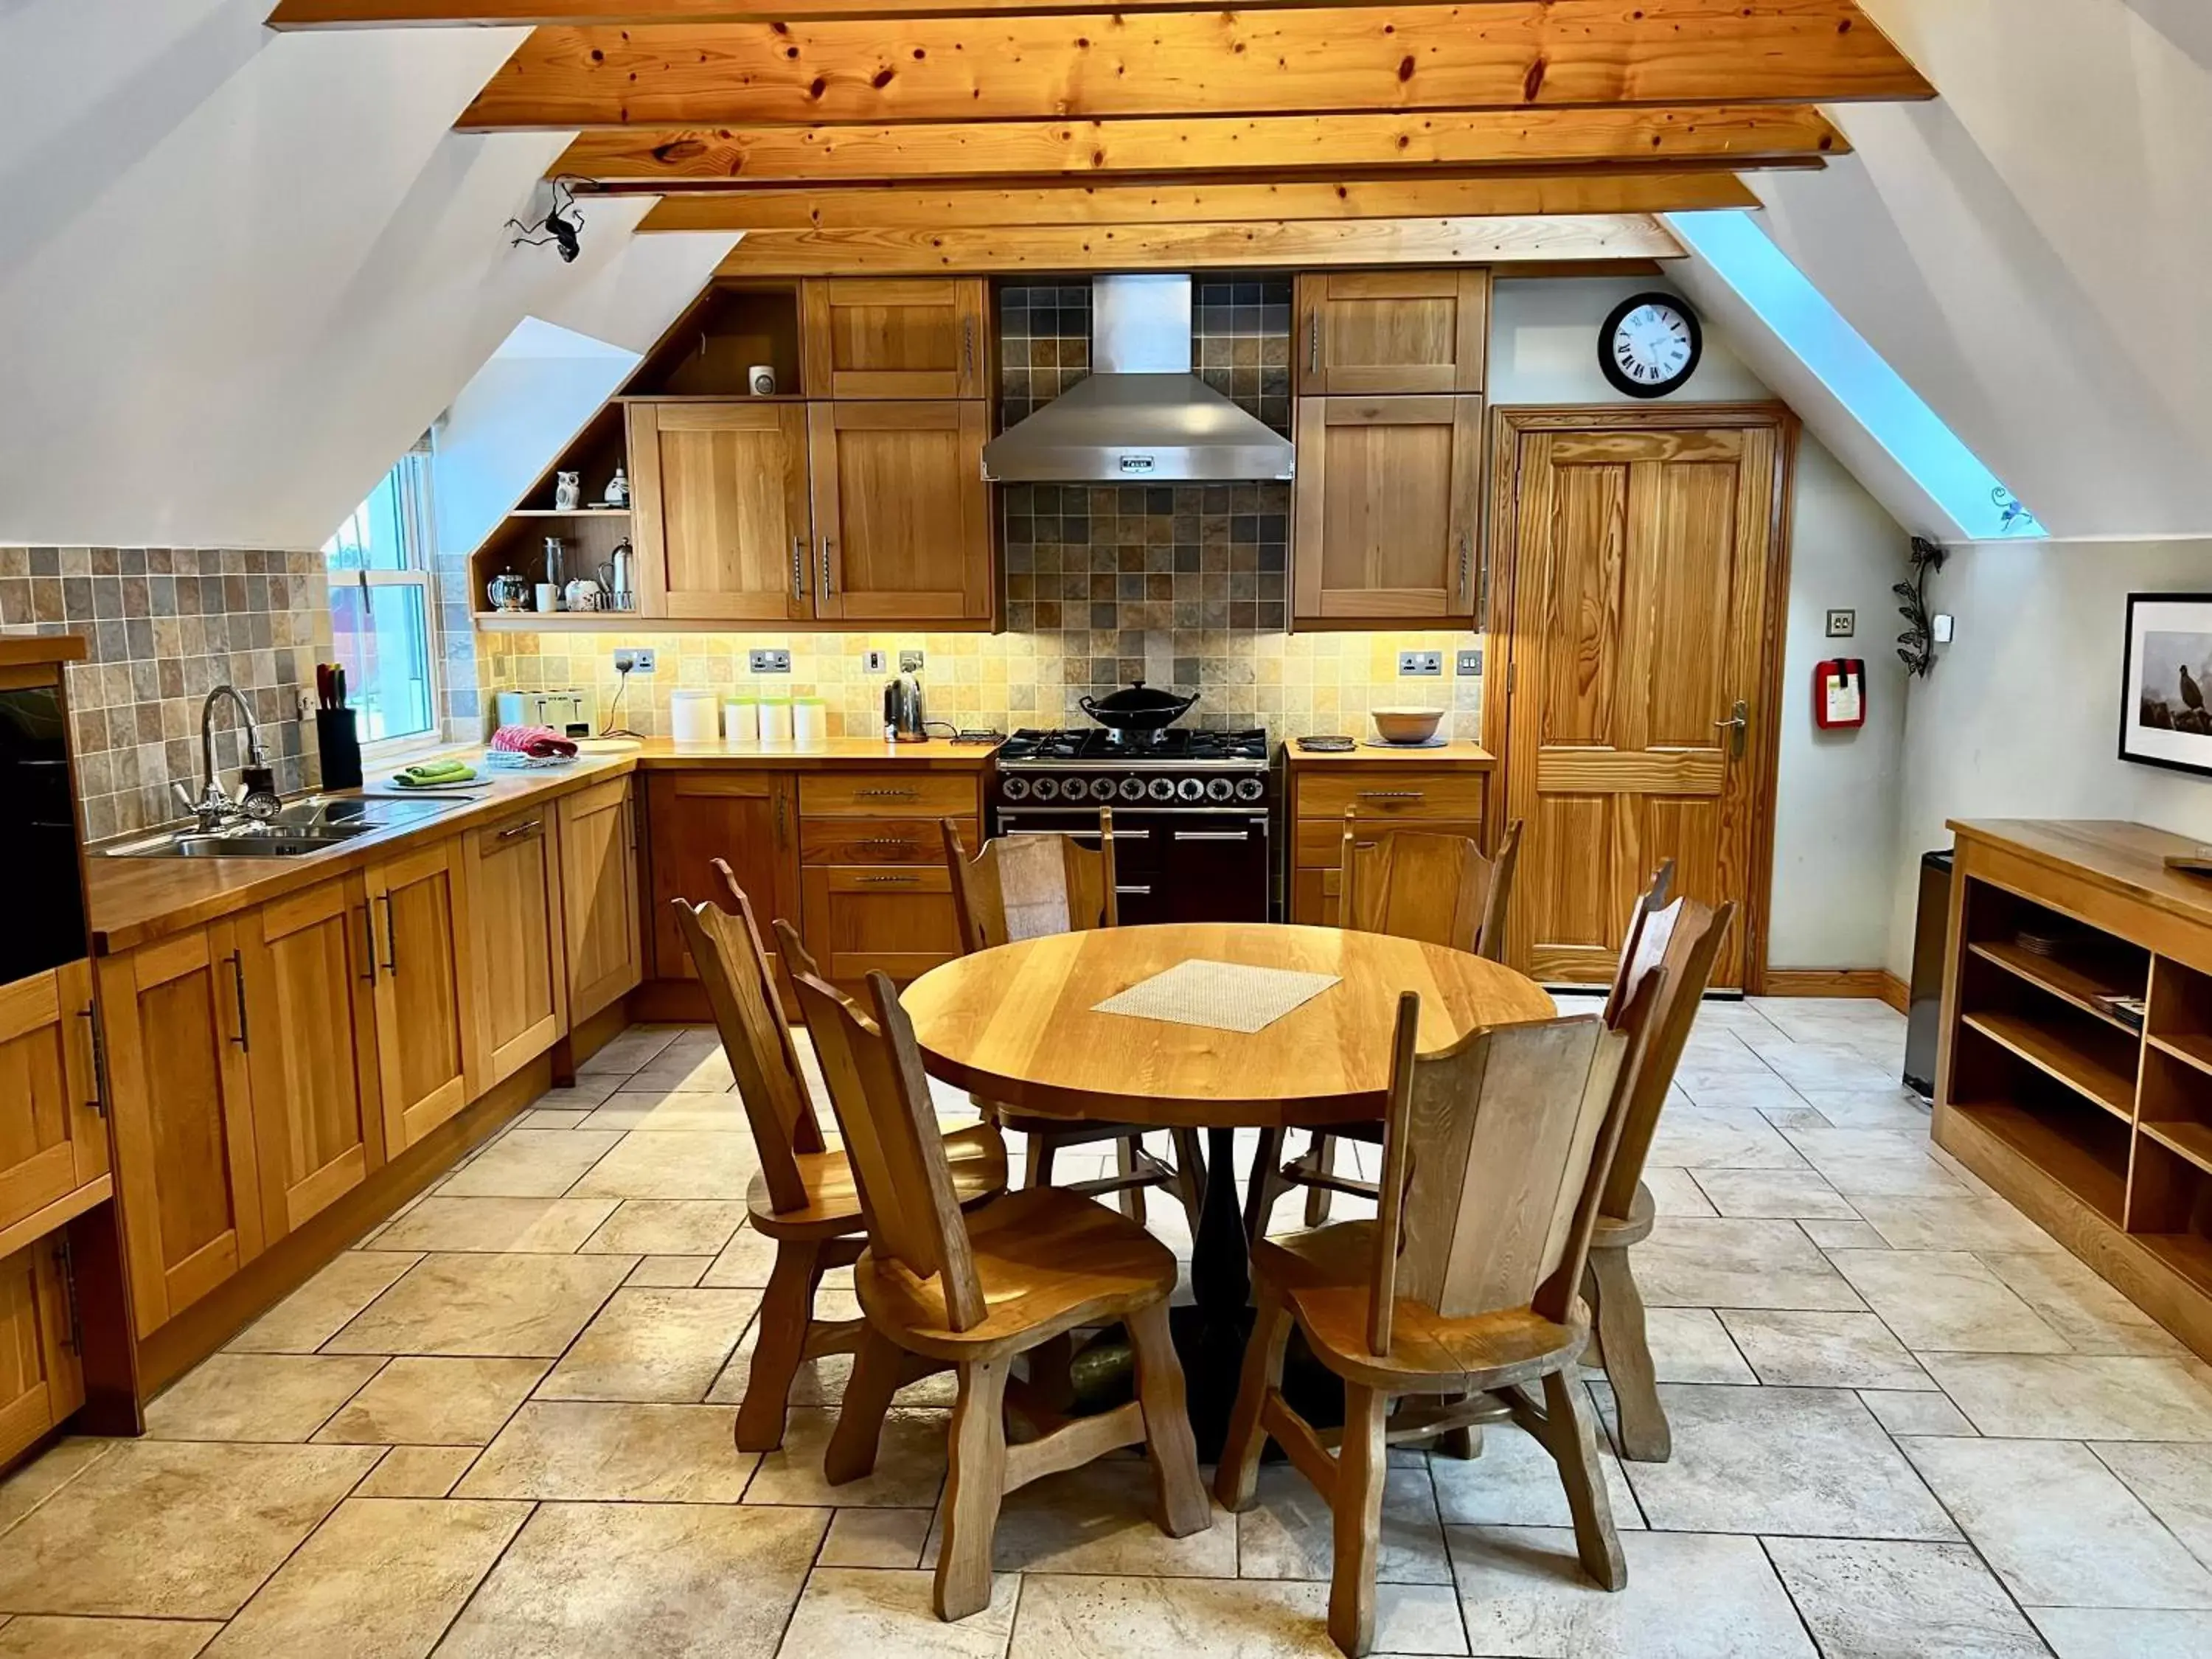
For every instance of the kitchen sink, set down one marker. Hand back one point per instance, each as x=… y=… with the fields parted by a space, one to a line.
x=309 y=825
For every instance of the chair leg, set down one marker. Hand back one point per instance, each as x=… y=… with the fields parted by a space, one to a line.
x=1617 y=1309
x=1041 y=1149
x=786 y=1309
x=1573 y=1446
x=1132 y=1199
x=878 y=1365
x=1184 y=1507
x=1464 y=1442
x=974 y=1483
x=1236 y=1478
x=1357 y=1520
x=1267 y=1184
x=1324 y=1160
x=1190 y=1175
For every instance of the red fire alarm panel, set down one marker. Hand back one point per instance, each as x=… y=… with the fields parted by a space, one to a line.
x=1839 y=693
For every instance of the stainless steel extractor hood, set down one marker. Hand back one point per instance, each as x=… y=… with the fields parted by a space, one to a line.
x=1141 y=415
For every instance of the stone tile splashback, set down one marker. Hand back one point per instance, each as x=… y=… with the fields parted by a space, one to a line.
x=166 y=625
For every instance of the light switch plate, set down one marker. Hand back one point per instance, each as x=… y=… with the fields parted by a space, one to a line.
x=1470 y=663
x=771 y=662
x=1422 y=663
x=871 y=662
x=1843 y=624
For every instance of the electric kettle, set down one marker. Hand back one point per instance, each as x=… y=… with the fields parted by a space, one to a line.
x=902 y=711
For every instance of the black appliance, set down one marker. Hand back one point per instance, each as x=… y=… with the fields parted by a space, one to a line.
x=1194 y=814
x=1931 y=937
x=37 y=836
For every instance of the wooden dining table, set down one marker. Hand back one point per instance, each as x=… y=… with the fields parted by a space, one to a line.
x=1019 y=1025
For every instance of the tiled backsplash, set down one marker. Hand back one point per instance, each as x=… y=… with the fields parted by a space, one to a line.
x=164 y=626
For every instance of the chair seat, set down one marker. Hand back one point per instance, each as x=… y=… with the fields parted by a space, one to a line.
x=1325 y=1275
x=1616 y=1232
x=977 y=1155
x=1047 y=1261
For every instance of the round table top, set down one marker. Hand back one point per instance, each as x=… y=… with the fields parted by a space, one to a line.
x=1019 y=1026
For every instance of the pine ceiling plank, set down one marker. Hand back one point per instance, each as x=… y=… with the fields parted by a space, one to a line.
x=1304 y=244
x=1329 y=145
x=292 y=15
x=1493 y=54
x=1420 y=196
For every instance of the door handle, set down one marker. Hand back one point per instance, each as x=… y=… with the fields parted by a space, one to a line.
x=238 y=987
x=391 y=938
x=1738 y=724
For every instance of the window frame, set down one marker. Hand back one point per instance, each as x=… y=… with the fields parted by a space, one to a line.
x=417 y=524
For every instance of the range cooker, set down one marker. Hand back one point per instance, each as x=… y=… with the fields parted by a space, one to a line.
x=1194 y=814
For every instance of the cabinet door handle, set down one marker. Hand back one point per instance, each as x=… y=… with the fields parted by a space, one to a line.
x=798 y=566
x=778 y=818
x=391 y=938
x=886 y=840
x=908 y=794
x=516 y=832
x=881 y=881
x=238 y=987
x=967 y=345
x=368 y=931
x=1313 y=344
x=1394 y=794
x=90 y=1015
x=828 y=542
x=1466 y=565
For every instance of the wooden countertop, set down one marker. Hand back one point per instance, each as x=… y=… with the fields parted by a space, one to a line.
x=2126 y=857
x=1456 y=753
x=135 y=900
x=26 y=650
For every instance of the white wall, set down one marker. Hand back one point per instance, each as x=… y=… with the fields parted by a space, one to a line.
x=1543 y=345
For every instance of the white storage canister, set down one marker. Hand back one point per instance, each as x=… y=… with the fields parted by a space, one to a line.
x=691 y=717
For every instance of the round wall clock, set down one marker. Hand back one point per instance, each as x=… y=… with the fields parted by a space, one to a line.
x=1651 y=345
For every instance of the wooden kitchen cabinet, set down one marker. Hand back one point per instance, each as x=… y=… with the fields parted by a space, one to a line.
x=179 y=1035
x=605 y=955
x=427 y=983
x=53 y=1138
x=1387 y=509
x=1362 y=332
x=870 y=899
x=306 y=960
x=720 y=516
x=901 y=514
x=1443 y=792
x=40 y=1381
x=520 y=1008
x=903 y=337
x=748 y=819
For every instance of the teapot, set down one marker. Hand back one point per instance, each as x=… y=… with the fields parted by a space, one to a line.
x=582 y=594
x=508 y=592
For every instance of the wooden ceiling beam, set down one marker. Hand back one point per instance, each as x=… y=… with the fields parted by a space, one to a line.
x=1301 y=244
x=1420 y=196
x=1324 y=146
x=302 y=15
x=1490 y=54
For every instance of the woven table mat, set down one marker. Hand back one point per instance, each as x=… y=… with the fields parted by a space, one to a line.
x=1228 y=996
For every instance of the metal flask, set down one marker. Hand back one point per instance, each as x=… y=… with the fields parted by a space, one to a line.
x=903 y=713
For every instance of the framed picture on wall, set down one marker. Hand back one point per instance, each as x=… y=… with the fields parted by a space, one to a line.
x=2166 y=688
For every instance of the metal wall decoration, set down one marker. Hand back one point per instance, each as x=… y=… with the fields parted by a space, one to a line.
x=1916 y=646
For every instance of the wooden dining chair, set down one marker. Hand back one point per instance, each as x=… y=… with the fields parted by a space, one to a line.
x=1682 y=939
x=1017 y=887
x=1411 y=884
x=805 y=1196
x=972 y=1292
x=1461 y=1292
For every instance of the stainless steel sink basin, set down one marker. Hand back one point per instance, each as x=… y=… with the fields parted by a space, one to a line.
x=309 y=825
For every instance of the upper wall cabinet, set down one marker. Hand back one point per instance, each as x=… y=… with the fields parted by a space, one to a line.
x=925 y=337
x=1367 y=332
x=722 y=528
x=1386 y=511
x=901 y=514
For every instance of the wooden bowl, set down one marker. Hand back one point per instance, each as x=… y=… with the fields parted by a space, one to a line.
x=1407 y=725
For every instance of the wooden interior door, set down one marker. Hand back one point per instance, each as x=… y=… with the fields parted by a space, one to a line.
x=307 y=959
x=40 y=1380
x=598 y=896
x=521 y=1002
x=53 y=1139
x=178 y=1038
x=426 y=980
x=1647 y=572
x=1386 y=509
x=748 y=819
x=1367 y=332
x=920 y=337
x=720 y=511
x=902 y=512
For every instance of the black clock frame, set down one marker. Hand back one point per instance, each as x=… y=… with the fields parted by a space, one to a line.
x=1620 y=381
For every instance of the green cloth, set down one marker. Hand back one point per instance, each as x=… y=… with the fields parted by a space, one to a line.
x=430 y=772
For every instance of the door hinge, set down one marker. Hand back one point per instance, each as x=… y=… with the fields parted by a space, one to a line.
x=65 y=1263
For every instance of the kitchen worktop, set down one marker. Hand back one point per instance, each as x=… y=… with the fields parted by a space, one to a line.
x=1457 y=753
x=135 y=900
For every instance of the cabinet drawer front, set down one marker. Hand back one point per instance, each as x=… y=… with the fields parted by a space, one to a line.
x=899 y=922
x=1319 y=842
x=888 y=795
x=1394 y=794
x=880 y=840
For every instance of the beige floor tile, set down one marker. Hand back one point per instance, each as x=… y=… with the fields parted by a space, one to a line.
x=746 y=1260
x=417 y=1471
x=1689 y=1346
x=1721 y=1085
x=1694 y=1263
x=1945 y=1301
x=1875 y=1163
x=631 y=1050
x=382 y=1577
x=1720 y=1138
x=257 y=1396
x=547 y=1118
x=670 y=1273
x=685 y=1111
x=611 y=1453
x=1825 y=1066
x=652 y=1345
x=530 y=1164
x=1915 y=1412
x=646 y=1581
x=314 y=1313
x=1954 y=1224
x=1064 y=1614
x=104 y=1638
x=2078 y=1396
x=846 y=1611
x=694 y=1163
x=2059 y=1527
x=1286 y=1533
x=1515 y=1483
x=1896 y=1108
x=46 y=1475
x=488 y=1305
x=1883 y=1600
x=583 y=1095
x=1823 y=1350
x=1676 y=1192
x=1842 y=1235
x=434 y=1402
x=822 y=1382
x=2175 y=1480
x=909 y=1463
x=1099 y=1519
x=554 y=1225
x=1689 y=1595
x=2092 y=1316
x=877 y=1538
x=1778 y=1194
x=2123 y=1633
x=173 y=1530
x=693 y=1063
x=665 y=1226
x=1808 y=1462
x=623 y=1110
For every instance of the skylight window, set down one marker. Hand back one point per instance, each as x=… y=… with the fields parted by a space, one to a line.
x=1762 y=275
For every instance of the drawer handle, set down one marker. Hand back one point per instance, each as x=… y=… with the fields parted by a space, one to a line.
x=880 y=880
x=515 y=832
x=237 y=986
x=1394 y=794
x=885 y=794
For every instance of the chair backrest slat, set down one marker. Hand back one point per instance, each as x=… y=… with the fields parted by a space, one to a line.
x=1435 y=888
x=1683 y=939
x=1019 y=887
x=1654 y=897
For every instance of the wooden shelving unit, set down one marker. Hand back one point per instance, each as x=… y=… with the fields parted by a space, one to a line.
x=2098 y=1127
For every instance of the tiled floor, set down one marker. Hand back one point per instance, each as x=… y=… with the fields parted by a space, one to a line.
x=1905 y=1425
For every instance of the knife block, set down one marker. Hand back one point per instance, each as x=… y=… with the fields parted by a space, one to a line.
x=339 y=746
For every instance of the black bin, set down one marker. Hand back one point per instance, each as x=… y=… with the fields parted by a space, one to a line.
x=1931 y=934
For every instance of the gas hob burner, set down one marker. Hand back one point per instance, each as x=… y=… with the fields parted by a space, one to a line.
x=1096 y=745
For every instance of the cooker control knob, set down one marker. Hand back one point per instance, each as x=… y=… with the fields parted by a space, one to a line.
x=1102 y=788
x=1220 y=789
x=1014 y=788
x=1161 y=789
x=1046 y=788
x=1133 y=789
x=1191 y=789
x=1250 y=788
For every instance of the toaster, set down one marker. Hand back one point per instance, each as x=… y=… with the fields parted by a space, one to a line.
x=569 y=712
